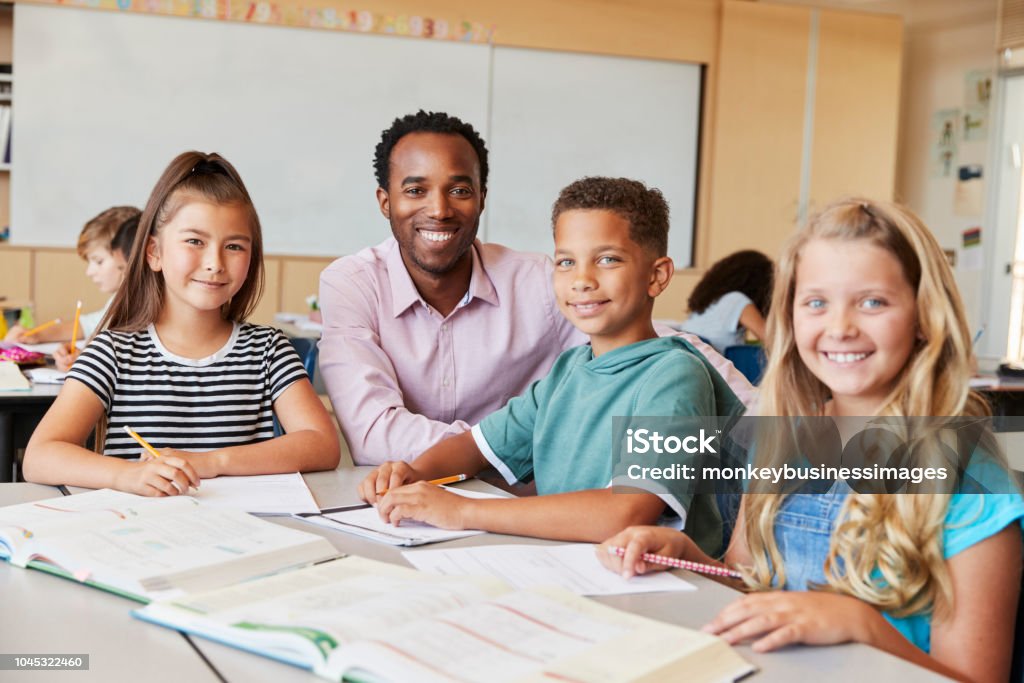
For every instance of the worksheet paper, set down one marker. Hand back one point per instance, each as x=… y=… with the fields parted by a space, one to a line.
x=266 y=494
x=573 y=567
x=366 y=522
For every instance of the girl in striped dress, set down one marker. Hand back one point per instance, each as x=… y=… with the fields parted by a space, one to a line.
x=176 y=361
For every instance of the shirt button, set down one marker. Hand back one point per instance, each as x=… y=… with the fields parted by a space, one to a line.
x=445 y=382
x=444 y=327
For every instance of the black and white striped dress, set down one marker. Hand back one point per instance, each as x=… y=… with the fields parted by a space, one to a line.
x=189 y=404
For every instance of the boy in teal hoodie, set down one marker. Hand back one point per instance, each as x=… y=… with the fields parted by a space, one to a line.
x=611 y=243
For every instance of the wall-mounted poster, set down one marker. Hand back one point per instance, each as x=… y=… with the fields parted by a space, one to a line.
x=969 y=198
x=945 y=126
x=977 y=98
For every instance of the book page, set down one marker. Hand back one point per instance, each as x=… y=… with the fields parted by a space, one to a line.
x=192 y=550
x=11 y=378
x=573 y=567
x=541 y=636
x=267 y=494
x=303 y=615
x=56 y=516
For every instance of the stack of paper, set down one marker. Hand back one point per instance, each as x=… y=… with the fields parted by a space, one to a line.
x=266 y=494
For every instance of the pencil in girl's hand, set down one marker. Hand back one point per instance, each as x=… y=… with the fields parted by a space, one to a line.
x=142 y=442
x=437 y=482
x=40 y=328
x=699 y=567
x=74 y=330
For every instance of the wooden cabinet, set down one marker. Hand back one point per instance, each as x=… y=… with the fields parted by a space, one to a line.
x=807 y=110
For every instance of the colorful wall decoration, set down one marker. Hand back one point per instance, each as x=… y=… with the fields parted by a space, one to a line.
x=321 y=14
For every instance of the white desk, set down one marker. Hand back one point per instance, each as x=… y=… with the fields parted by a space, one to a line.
x=44 y=614
x=20 y=412
x=95 y=623
x=838 y=664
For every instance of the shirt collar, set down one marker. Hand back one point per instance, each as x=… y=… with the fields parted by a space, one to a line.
x=404 y=293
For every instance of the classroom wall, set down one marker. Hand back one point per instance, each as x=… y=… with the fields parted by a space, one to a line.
x=686 y=30
x=939 y=52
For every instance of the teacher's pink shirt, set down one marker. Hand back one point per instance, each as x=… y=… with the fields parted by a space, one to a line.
x=401 y=377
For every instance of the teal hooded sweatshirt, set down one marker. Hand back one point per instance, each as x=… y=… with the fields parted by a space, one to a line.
x=559 y=431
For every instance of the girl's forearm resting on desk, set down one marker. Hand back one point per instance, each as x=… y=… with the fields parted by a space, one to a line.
x=55 y=454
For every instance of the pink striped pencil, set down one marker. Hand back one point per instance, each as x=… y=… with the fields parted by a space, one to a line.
x=699 y=567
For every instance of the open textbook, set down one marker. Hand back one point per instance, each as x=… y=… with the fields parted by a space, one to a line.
x=358 y=619
x=150 y=548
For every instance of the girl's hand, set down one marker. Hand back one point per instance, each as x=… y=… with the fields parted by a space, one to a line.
x=778 y=618
x=424 y=502
x=638 y=540
x=205 y=465
x=63 y=358
x=388 y=476
x=166 y=476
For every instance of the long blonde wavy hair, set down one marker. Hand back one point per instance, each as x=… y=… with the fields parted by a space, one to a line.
x=900 y=535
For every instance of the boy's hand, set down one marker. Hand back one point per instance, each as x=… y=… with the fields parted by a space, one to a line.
x=779 y=618
x=388 y=476
x=63 y=358
x=205 y=465
x=16 y=335
x=168 y=476
x=638 y=540
x=426 y=503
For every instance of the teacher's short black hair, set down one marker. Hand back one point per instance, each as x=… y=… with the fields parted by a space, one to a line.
x=426 y=122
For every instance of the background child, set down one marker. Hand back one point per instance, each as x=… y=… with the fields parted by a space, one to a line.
x=611 y=239
x=866 y=320
x=104 y=266
x=120 y=250
x=731 y=299
x=176 y=362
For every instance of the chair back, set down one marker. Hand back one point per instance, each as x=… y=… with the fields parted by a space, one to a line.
x=748 y=359
x=308 y=352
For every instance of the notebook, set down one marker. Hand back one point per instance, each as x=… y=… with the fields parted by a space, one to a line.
x=358 y=619
x=150 y=548
x=363 y=520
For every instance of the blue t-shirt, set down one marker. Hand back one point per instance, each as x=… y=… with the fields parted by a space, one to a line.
x=803 y=530
x=719 y=323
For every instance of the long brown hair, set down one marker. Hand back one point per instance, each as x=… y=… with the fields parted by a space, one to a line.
x=190 y=176
x=897 y=535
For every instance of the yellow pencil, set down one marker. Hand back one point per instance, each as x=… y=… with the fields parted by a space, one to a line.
x=142 y=442
x=436 y=482
x=74 y=330
x=40 y=328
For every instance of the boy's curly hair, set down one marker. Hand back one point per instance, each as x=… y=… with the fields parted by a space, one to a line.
x=645 y=208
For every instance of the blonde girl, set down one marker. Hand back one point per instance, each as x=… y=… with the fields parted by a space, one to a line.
x=866 y=320
x=177 y=362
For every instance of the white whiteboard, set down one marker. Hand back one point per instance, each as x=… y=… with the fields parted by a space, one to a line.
x=561 y=116
x=104 y=100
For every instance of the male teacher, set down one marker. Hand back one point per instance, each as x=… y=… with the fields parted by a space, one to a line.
x=430 y=331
